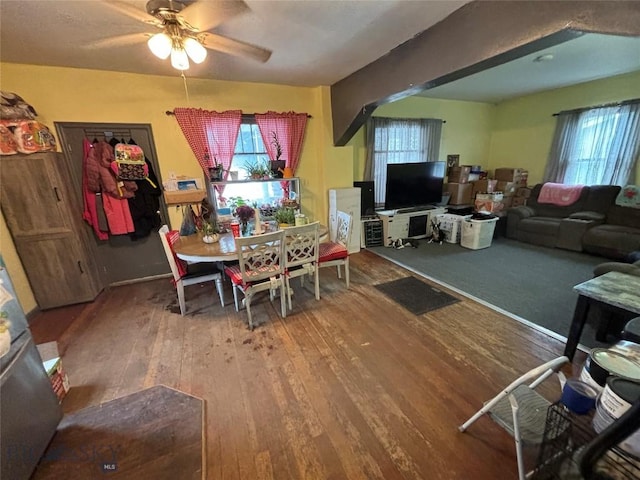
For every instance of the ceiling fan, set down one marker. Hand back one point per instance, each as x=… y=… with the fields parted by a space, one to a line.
x=185 y=29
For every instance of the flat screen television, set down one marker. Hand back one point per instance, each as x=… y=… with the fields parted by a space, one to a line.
x=414 y=184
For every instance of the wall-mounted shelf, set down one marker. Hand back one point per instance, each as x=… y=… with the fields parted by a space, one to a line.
x=177 y=197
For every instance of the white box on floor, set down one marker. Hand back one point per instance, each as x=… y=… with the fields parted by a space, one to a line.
x=451 y=225
x=477 y=234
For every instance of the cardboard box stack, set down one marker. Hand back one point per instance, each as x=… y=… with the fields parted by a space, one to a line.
x=467 y=185
x=53 y=366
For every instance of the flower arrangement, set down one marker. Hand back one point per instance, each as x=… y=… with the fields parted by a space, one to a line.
x=245 y=213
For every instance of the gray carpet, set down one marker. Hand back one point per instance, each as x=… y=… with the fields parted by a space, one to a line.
x=530 y=282
x=415 y=295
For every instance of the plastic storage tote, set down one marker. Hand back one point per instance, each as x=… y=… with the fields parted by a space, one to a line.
x=451 y=225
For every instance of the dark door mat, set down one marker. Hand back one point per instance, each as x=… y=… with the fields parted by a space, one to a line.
x=155 y=433
x=415 y=295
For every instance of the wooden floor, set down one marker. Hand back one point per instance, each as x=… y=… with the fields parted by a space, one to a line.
x=350 y=387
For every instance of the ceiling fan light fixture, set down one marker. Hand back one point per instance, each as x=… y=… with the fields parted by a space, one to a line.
x=179 y=59
x=195 y=50
x=160 y=45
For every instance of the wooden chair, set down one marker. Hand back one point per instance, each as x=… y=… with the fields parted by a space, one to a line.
x=520 y=409
x=336 y=253
x=302 y=256
x=261 y=266
x=185 y=274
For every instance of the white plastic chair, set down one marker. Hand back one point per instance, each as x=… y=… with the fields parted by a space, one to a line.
x=261 y=266
x=188 y=274
x=336 y=253
x=520 y=410
x=302 y=248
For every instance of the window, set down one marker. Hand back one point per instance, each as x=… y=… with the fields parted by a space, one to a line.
x=399 y=140
x=598 y=146
x=250 y=151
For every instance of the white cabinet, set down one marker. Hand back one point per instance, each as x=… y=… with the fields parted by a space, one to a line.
x=345 y=200
x=407 y=223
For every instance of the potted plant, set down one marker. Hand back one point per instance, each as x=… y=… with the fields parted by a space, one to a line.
x=210 y=231
x=277 y=165
x=285 y=216
x=258 y=170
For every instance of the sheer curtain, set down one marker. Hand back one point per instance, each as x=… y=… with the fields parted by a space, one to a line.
x=398 y=140
x=599 y=146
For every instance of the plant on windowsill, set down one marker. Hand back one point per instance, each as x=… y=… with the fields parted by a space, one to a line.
x=277 y=165
x=257 y=171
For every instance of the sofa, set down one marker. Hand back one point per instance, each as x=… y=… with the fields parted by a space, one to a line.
x=561 y=226
x=617 y=236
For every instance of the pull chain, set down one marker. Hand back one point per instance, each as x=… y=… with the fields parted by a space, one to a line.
x=186 y=90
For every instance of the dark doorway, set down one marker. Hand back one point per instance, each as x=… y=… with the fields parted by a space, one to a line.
x=120 y=258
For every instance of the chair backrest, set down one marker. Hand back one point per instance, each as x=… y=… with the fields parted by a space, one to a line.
x=261 y=256
x=301 y=244
x=344 y=229
x=168 y=250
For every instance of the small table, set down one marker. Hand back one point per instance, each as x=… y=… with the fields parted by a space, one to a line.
x=615 y=291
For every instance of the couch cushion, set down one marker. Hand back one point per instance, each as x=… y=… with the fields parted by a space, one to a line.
x=601 y=197
x=541 y=225
x=625 y=216
x=613 y=241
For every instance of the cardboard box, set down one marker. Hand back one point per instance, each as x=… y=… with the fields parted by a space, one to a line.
x=508 y=189
x=484 y=186
x=516 y=175
x=517 y=201
x=53 y=366
x=523 y=192
x=490 y=197
x=460 y=193
x=488 y=206
x=459 y=174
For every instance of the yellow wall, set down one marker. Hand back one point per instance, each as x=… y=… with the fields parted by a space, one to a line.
x=76 y=95
x=467 y=130
x=523 y=128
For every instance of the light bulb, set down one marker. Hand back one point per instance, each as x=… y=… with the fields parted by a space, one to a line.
x=195 y=50
x=160 y=45
x=179 y=59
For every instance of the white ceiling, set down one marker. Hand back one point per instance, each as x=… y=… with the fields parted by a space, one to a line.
x=589 y=57
x=314 y=42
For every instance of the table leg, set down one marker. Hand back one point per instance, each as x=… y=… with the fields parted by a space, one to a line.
x=577 y=324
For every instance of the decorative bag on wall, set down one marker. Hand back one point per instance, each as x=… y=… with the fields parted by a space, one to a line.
x=130 y=163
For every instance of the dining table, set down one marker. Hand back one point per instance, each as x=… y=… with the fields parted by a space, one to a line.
x=192 y=249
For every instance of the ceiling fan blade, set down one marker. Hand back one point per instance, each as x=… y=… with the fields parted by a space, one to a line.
x=204 y=15
x=130 y=11
x=236 y=47
x=119 y=41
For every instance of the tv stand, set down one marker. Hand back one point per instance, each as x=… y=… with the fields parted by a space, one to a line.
x=412 y=222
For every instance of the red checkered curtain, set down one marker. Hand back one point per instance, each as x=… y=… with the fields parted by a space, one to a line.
x=210 y=134
x=289 y=127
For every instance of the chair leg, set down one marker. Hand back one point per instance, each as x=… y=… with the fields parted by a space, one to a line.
x=181 y=302
x=339 y=271
x=235 y=297
x=247 y=302
x=288 y=288
x=317 y=282
x=220 y=290
x=283 y=304
x=516 y=437
x=346 y=271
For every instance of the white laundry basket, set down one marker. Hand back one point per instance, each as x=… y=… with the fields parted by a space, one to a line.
x=451 y=225
x=477 y=234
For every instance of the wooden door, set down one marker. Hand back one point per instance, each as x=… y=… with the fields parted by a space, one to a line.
x=43 y=216
x=122 y=259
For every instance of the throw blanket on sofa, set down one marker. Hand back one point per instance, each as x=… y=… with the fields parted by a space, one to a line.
x=629 y=196
x=559 y=194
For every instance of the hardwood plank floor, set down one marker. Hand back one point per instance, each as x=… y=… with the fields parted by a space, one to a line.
x=350 y=387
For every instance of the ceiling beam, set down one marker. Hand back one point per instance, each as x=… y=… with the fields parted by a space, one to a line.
x=479 y=35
